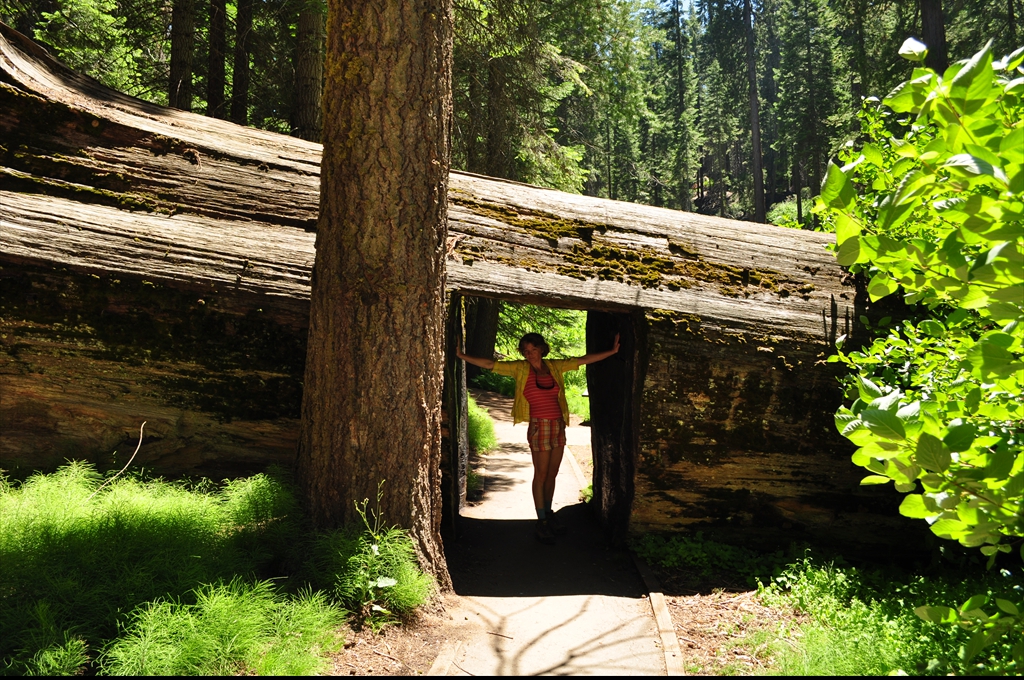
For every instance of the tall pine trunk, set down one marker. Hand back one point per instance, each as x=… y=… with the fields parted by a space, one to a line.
x=933 y=33
x=371 y=405
x=309 y=72
x=183 y=38
x=217 y=53
x=755 y=124
x=240 y=78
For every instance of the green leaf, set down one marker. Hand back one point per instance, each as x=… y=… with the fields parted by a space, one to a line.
x=937 y=614
x=913 y=49
x=868 y=390
x=932 y=328
x=960 y=436
x=974 y=645
x=931 y=455
x=880 y=286
x=837 y=191
x=971 y=85
x=1007 y=606
x=884 y=423
x=913 y=506
x=949 y=528
x=849 y=252
x=972 y=165
x=872 y=154
x=990 y=358
x=871 y=480
x=975 y=602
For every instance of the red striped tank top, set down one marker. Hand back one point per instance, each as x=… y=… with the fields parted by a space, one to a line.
x=541 y=392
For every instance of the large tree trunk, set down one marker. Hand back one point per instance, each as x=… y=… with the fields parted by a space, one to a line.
x=309 y=73
x=481 y=330
x=755 y=125
x=372 y=391
x=933 y=33
x=240 y=77
x=218 y=51
x=183 y=38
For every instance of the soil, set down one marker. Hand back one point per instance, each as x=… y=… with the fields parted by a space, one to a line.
x=402 y=649
x=713 y=631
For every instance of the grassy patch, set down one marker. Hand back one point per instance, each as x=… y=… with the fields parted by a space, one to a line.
x=480 y=428
x=95 y=580
x=843 y=619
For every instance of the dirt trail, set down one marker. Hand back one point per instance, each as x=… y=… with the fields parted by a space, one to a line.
x=573 y=608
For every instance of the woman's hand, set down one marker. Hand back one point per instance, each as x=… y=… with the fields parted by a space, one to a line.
x=598 y=356
x=476 y=361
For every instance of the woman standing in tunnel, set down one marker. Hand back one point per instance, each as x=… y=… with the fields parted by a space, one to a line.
x=540 y=399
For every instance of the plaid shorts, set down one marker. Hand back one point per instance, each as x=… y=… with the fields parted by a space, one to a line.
x=546 y=435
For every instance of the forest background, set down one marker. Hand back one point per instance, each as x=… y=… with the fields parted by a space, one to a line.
x=638 y=100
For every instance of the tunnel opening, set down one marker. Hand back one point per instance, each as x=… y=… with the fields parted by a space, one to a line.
x=611 y=387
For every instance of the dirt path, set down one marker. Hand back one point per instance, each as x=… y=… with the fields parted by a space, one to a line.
x=573 y=608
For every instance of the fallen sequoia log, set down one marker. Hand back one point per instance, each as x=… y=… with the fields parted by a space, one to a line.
x=156 y=265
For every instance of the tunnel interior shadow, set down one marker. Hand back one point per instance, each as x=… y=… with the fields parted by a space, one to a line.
x=502 y=558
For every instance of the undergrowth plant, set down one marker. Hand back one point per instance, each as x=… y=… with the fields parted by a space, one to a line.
x=233 y=628
x=480 y=428
x=375 y=568
x=855 y=621
x=935 y=212
x=158 y=577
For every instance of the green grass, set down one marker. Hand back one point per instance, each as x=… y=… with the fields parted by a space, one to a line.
x=232 y=628
x=480 y=428
x=91 y=581
x=849 y=620
x=861 y=620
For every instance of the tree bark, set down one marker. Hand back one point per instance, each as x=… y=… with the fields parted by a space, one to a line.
x=183 y=37
x=218 y=51
x=933 y=33
x=481 y=330
x=309 y=73
x=240 y=77
x=372 y=391
x=755 y=125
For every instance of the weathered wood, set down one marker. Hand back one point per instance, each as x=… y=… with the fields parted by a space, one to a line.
x=203 y=196
x=155 y=265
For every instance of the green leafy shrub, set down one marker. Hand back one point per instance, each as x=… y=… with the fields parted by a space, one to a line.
x=480 y=429
x=234 y=628
x=856 y=621
x=374 y=570
x=938 y=212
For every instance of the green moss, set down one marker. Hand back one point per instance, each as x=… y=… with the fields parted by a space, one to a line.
x=538 y=223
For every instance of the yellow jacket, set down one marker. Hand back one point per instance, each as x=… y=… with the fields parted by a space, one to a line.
x=520 y=370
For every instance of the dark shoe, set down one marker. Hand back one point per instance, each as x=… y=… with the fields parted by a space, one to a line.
x=557 y=528
x=543 y=532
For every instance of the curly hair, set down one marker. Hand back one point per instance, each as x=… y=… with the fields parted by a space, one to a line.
x=537 y=340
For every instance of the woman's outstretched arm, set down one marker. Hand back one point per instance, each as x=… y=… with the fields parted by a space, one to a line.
x=476 y=361
x=598 y=356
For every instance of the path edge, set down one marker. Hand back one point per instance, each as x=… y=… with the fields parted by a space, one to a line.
x=666 y=629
